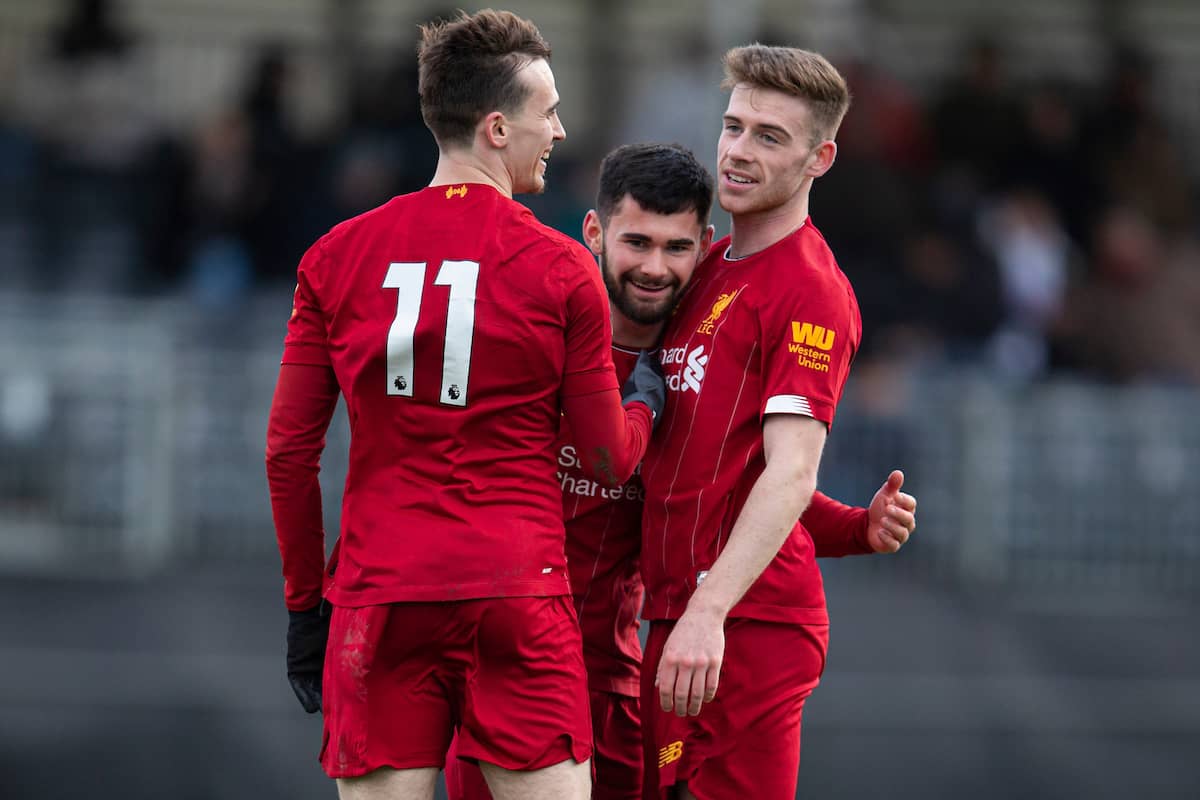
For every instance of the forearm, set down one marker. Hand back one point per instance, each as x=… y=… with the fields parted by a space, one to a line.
x=301 y=410
x=776 y=501
x=609 y=438
x=836 y=528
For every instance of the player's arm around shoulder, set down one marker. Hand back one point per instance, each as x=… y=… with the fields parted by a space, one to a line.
x=691 y=662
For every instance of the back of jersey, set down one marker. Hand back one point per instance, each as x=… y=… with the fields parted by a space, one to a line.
x=447 y=316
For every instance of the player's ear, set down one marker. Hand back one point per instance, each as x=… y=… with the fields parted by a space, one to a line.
x=822 y=158
x=495 y=129
x=593 y=232
x=706 y=240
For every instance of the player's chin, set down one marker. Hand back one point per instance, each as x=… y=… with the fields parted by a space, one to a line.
x=650 y=312
x=535 y=184
x=736 y=202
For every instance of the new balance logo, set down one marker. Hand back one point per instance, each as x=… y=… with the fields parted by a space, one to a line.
x=670 y=753
x=692 y=375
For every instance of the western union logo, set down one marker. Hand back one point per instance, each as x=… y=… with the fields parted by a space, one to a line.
x=812 y=335
x=670 y=753
x=461 y=191
x=718 y=309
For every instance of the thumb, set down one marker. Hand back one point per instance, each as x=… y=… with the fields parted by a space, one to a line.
x=893 y=483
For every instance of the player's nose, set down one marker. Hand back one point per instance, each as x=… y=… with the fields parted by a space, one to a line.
x=655 y=264
x=736 y=150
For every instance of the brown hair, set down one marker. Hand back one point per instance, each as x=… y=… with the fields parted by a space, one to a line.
x=800 y=73
x=468 y=69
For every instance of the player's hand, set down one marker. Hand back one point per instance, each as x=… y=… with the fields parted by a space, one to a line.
x=307 y=634
x=646 y=384
x=892 y=515
x=690 y=667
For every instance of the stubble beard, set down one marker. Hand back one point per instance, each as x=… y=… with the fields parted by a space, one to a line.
x=640 y=313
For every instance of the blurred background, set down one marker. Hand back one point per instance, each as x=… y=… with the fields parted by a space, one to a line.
x=1014 y=200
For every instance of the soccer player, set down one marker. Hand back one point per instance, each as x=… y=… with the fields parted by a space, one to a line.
x=459 y=330
x=649 y=230
x=756 y=357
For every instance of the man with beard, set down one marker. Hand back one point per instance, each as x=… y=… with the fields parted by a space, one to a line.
x=649 y=230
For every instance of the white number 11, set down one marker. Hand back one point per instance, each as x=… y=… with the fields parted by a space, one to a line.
x=409 y=279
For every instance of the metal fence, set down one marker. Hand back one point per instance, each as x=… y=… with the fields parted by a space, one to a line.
x=132 y=433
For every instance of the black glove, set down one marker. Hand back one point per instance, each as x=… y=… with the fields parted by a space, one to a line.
x=307 y=633
x=646 y=384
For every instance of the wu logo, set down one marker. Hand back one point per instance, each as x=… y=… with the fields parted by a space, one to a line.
x=461 y=191
x=812 y=335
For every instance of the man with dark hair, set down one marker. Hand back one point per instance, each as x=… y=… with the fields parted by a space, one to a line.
x=756 y=357
x=649 y=229
x=459 y=330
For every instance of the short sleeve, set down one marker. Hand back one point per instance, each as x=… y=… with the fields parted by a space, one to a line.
x=809 y=340
x=306 y=341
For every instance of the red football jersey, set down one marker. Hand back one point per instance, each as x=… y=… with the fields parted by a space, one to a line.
x=604 y=537
x=773 y=332
x=455 y=324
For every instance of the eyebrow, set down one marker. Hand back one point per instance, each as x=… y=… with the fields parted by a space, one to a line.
x=641 y=237
x=762 y=126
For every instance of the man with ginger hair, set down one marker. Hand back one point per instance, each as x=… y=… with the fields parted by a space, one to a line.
x=756 y=358
x=460 y=332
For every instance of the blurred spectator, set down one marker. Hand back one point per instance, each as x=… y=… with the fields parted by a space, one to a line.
x=882 y=144
x=85 y=98
x=1049 y=155
x=1137 y=316
x=885 y=123
x=251 y=183
x=280 y=169
x=1035 y=258
x=1133 y=155
x=974 y=121
x=951 y=299
x=385 y=119
x=220 y=208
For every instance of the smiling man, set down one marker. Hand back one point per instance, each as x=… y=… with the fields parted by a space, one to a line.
x=460 y=332
x=756 y=358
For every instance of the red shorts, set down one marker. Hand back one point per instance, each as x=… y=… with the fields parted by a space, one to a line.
x=617 y=760
x=507 y=672
x=746 y=742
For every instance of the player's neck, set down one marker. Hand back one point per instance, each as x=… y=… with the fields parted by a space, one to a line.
x=634 y=335
x=455 y=167
x=756 y=231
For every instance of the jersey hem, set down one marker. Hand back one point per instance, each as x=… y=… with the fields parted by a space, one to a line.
x=554 y=586
x=760 y=611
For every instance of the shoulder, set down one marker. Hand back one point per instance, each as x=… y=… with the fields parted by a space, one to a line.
x=379 y=218
x=535 y=238
x=805 y=264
